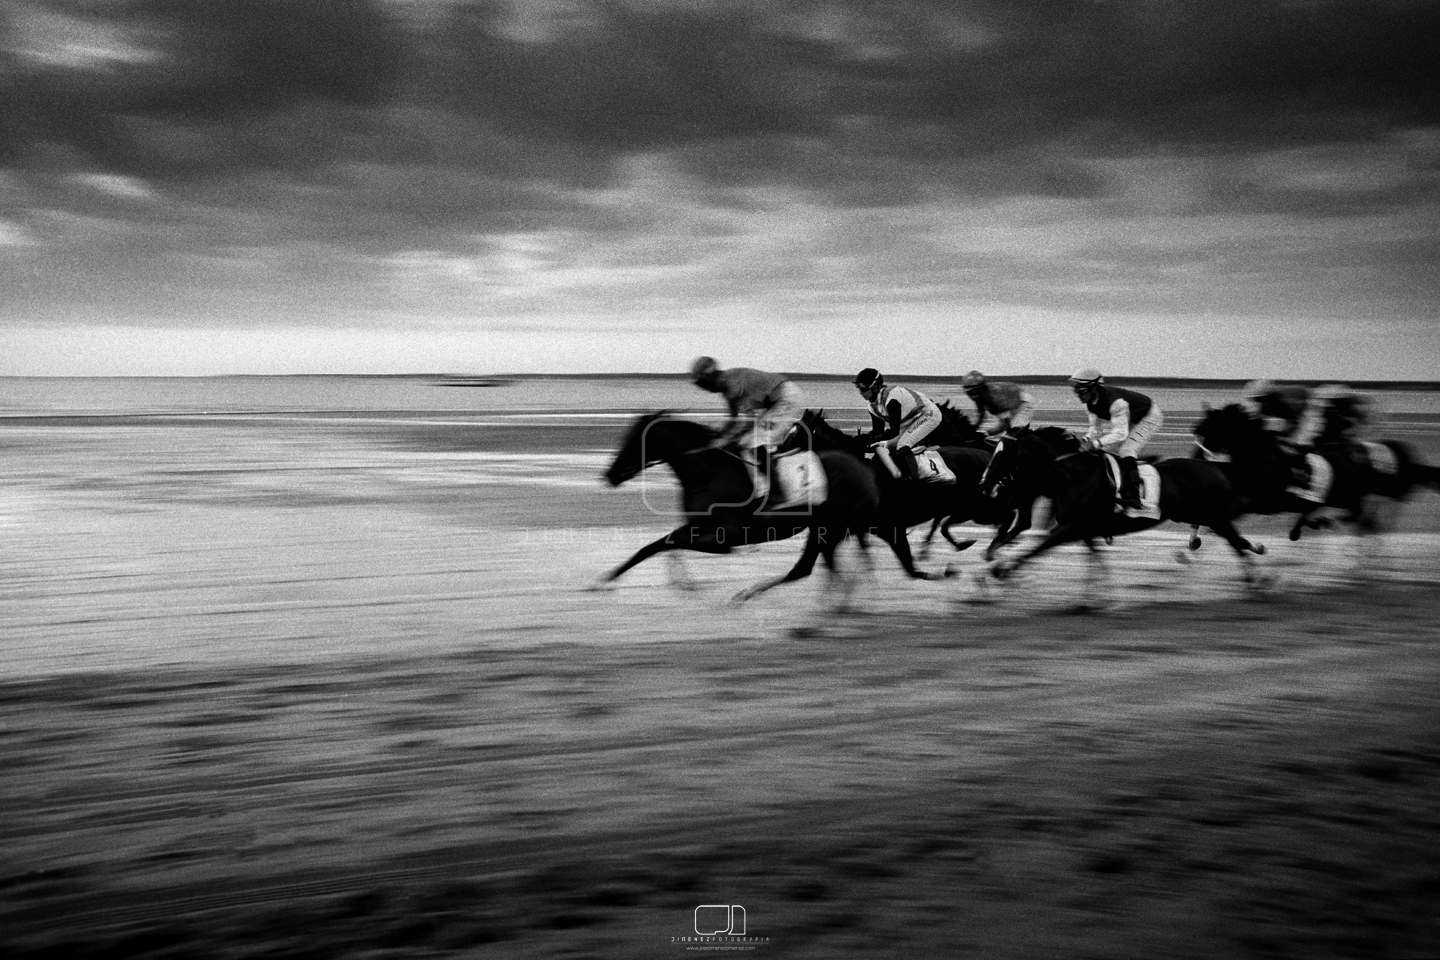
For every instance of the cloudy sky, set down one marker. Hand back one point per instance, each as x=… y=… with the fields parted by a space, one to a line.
x=1155 y=187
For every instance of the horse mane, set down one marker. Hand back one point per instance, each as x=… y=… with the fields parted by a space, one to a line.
x=646 y=419
x=1237 y=423
x=816 y=422
x=1057 y=438
x=964 y=428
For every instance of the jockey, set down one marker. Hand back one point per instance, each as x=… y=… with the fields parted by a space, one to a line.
x=1132 y=419
x=1010 y=404
x=1334 y=414
x=763 y=409
x=1278 y=408
x=900 y=418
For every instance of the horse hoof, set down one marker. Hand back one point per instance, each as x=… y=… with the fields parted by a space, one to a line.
x=965 y=545
x=1259 y=549
x=951 y=572
x=1295 y=534
x=1195 y=543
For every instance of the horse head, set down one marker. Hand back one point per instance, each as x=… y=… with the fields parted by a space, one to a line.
x=654 y=438
x=1228 y=429
x=1057 y=441
x=960 y=430
x=812 y=430
x=1021 y=446
x=1000 y=471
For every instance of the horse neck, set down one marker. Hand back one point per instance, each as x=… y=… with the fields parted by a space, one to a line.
x=828 y=437
x=679 y=444
x=1057 y=472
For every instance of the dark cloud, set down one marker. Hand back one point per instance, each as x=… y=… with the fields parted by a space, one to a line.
x=291 y=85
x=290 y=146
x=217 y=79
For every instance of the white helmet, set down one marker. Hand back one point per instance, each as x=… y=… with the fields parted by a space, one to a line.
x=703 y=368
x=1085 y=378
x=1256 y=389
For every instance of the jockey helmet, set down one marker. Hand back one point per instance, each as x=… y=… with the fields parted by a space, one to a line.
x=868 y=378
x=1257 y=389
x=1086 y=376
x=972 y=381
x=703 y=368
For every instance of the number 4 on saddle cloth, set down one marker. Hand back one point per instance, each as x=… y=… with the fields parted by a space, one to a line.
x=1149 y=490
x=924 y=463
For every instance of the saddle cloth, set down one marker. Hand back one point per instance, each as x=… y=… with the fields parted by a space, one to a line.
x=932 y=468
x=1382 y=458
x=1149 y=490
x=801 y=478
x=1321 y=476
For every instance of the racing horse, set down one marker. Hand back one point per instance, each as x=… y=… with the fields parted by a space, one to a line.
x=720 y=512
x=1043 y=462
x=1262 y=469
x=906 y=503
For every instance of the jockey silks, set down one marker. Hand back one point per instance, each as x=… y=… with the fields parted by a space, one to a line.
x=1105 y=397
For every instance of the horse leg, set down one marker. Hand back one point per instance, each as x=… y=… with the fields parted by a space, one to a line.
x=959 y=545
x=1020 y=519
x=930 y=537
x=900 y=544
x=1065 y=533
x=1243 y=549
x=1301 y=522
x=802 y=569
x=671 y=541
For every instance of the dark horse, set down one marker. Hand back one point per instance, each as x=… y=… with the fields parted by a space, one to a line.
x=716 y=500
x=905 y=502
x=1261 y=468
x=1042 y=462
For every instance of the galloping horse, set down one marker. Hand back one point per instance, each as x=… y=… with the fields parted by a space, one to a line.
x=1261 y=469
x=716 y=500
x=906 y=503
x=1040 y=462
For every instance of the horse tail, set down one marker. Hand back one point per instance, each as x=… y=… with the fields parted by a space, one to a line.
x=1430 y=476
x=1413 y=472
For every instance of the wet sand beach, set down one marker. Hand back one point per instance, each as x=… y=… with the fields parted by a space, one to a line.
x=302 y=684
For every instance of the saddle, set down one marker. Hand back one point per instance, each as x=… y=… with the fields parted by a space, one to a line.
x=1312 y=478
x=1149 y=489
x=928 y=465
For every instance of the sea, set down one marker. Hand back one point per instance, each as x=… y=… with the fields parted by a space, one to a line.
x=191 y=521
x=79 y=396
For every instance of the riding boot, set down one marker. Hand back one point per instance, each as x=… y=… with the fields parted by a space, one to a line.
x=1300 y=471
x=759 y=464
x=1130 y=483
x=905 y=460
